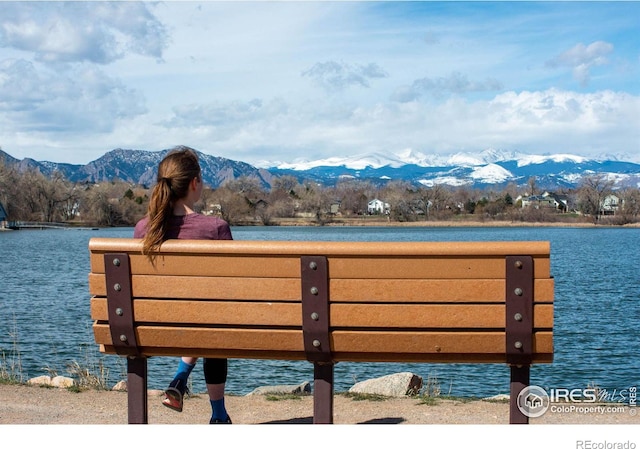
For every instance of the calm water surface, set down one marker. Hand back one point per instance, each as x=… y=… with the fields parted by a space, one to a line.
x=45 y=310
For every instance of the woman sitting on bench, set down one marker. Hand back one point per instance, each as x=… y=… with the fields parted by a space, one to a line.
x=171 y=215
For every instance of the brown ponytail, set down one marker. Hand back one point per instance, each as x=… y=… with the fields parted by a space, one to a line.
x=176 y=170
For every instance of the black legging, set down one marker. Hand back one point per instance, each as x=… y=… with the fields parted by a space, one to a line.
x=215 y=371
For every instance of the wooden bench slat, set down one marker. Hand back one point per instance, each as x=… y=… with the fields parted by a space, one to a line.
x=431 y=290
x=342 y=315
x=432 y=343
x=329 y=248
x=194 y=287
x=374 y=290
x=430 y=316
x=414 y=346
x=383 y=267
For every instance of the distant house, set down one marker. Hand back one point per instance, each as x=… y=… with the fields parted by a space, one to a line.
x=548 y=200
x=378 y=207
x=214 y=209
x=537 y=201
x=610 y=205
x=4 y=217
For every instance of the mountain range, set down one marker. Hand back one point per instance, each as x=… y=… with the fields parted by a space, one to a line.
x=477 y=170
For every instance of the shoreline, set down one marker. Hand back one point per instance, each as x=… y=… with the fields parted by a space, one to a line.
x=452 y=224
x=480 y=224
x=359 y=222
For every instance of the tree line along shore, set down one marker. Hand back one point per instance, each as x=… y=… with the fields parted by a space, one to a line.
x=32 y=197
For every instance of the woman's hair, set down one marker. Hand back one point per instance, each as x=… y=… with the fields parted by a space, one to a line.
x=175 y=172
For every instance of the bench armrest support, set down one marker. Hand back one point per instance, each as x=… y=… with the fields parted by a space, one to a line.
x=314 y=273
x=120 y=303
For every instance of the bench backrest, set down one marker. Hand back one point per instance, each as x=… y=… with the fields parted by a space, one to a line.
x=321 y=301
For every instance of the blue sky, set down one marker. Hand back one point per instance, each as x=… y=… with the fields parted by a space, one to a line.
x=283 y=81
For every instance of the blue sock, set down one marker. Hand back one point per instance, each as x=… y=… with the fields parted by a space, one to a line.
x=219 y=410
x=184 y=369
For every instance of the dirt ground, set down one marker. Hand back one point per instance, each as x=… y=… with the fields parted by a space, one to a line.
x=59 y=419
x=22 y=404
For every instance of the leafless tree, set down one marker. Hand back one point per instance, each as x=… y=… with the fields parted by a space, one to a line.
x=233 y=205
x=283 y=200
x=631 y=203
x=533 y=187
x=592 y=192
x=354 y=196
x=8 y=193
x=98 y=207
x=315 y=200
x=285 y=184
x=55 y=195
x=401 y=198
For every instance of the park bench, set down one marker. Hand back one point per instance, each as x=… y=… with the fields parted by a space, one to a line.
x=325 y=302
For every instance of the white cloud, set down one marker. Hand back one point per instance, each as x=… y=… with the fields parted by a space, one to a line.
x=98 y=32
x=333 y=75
x=83 y=100
x=216 y=114
x=551 y=120
x=581 y=59
x=455 y=83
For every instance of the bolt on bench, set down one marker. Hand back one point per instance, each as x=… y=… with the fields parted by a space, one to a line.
x=325 y=302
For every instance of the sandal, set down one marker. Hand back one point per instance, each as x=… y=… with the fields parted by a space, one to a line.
x=173 y=398
x=174 y=395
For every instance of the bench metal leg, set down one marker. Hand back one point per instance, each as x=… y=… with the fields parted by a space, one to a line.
x=323 y=393
x=137 y=390
x=520 y=378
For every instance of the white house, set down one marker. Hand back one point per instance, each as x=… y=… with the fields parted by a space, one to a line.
x=610 y=205
x=378 y=207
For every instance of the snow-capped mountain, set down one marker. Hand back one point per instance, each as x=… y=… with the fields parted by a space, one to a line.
x=487 y=168
x=410 y=157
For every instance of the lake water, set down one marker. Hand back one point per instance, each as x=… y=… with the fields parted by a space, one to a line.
x=45 y=310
